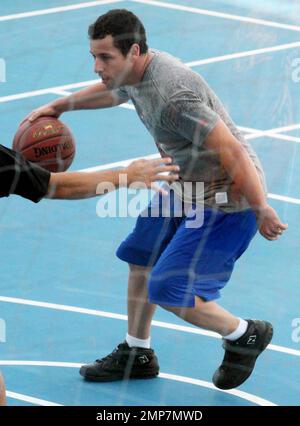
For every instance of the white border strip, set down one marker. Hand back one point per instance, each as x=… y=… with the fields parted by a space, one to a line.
x=285 y=128
x=105 y=314
x=65 y=93
x=57 y=9
x=278 y=136
x=47 y=91
x=219 y=14
x=240 y=394
x=272 y=134
x=284 y=198
x=189 y=380
x=31 y=399
x=122 y=163
x=244 y=54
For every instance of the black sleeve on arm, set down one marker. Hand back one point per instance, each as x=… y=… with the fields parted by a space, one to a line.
x=21 y=177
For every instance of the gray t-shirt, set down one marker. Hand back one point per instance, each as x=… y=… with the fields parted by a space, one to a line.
x=179 y=109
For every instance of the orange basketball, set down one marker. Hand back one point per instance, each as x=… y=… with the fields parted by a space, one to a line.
x=46 y=141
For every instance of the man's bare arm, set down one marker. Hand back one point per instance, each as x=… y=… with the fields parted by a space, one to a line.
x=92 y=97
x=140 y=173
x=238 y=164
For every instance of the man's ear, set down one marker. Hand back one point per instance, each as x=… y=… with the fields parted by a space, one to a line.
x=134 y=51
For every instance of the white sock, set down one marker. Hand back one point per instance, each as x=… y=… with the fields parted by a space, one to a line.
x=238 y=332
x=140 y=343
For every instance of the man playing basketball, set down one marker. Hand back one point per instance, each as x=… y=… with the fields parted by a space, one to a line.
x=179 y=267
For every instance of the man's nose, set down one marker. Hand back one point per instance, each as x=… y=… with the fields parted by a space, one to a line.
x=98 y=66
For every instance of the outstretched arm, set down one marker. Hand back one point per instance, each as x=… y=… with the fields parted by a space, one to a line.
x=21 y=177
x=140 y=173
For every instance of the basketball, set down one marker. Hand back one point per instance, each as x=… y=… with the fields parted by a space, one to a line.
x=46 y=141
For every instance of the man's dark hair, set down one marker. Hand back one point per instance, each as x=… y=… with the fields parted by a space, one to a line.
x=125 y=28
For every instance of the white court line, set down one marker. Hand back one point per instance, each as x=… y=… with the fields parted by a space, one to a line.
x=189 y=380
x=48 y=91
x=276 y=131
x=219 y=14
x=65 y=93
x=261 y=133
x=248 y=129
x=284 y=198
x=271 y=135
x=105 y=315
x=122 y=163
x=270 y=131
x=245 y=395
x=33 y=400
x=56 y=9
x=41 y=363
x=285 y=128
x=122 y=317
x=244 y=54
x=61 y=92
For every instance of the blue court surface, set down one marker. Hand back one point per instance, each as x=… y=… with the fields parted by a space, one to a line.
x=62 y=289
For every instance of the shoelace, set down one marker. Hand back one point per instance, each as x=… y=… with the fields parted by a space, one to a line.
x=116 y=355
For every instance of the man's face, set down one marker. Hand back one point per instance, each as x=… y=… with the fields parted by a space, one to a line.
x=110 y=64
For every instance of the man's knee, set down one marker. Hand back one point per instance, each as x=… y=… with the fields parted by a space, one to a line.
x=138 y=268
x=139 y=272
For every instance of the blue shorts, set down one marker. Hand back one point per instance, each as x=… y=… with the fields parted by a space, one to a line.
x=187 y=261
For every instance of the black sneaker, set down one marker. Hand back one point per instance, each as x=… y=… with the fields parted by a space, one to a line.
x=123 y=363
x=240 y=355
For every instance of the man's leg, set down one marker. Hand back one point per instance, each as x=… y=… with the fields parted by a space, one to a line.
x=243 y=340
x=2 y=392
x=208 y=315
x=134 y=358
x=200 y=261
x=140 y=311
